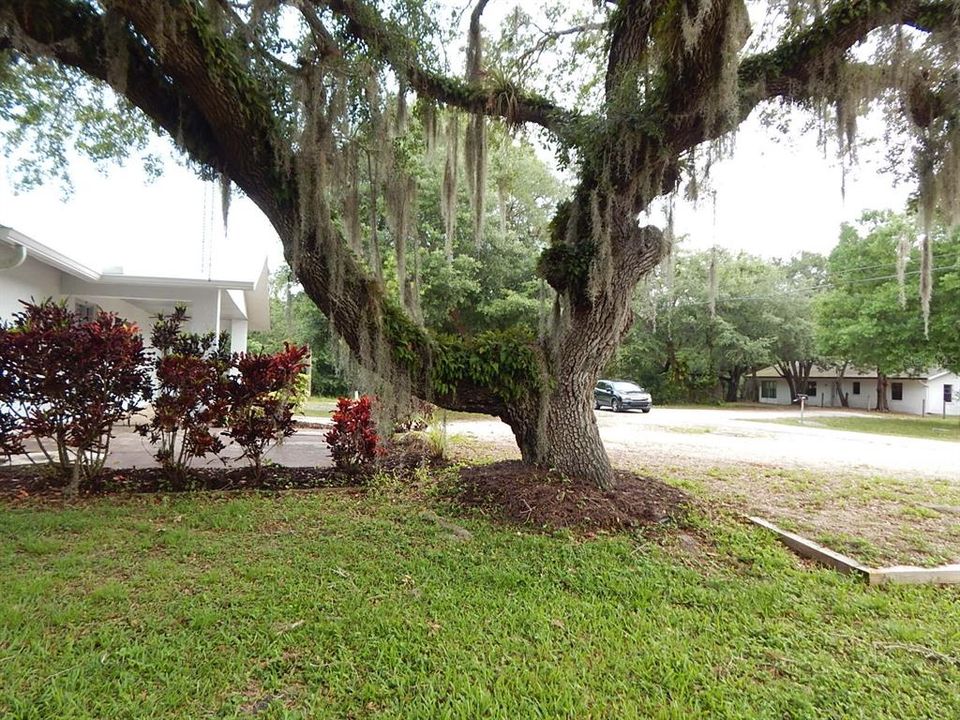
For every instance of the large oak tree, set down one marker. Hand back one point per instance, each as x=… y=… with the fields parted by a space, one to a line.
x=275 y=116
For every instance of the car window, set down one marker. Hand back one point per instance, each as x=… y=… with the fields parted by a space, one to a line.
x=628 y=387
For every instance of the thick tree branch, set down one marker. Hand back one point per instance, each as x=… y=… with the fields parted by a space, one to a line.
x=233 y=102
x=815 y=55
x=802 y=65
x=249 y=33
x=630 y=30
x=387 y=42
x=322 y=39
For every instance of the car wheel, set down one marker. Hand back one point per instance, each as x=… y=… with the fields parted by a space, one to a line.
x=596 y=404
x=616 y=405
x=645 y=410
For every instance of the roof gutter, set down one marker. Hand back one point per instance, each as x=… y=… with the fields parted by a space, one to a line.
x=47 y=255
x=12 y=256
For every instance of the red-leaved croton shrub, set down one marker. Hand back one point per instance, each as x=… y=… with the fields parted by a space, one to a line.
x=65 y=381
x=353 y=440
x=192 y=396
x=263 y=393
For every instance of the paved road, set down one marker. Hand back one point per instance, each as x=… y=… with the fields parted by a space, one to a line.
x=722 y=436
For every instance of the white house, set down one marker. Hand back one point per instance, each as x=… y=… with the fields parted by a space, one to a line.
x=30 y=269
x=931 y=392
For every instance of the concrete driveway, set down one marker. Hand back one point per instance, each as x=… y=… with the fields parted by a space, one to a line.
x=727 y=437
x=306 y=448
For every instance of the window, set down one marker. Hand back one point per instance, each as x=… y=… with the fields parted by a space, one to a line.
x=86 y=311
x=948 y=393
x=768 y=389
x=811 y=388
x=896 y=391
x=856 y=387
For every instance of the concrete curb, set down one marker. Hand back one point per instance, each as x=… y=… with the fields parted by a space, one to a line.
x=896 y=574
x=308 y=421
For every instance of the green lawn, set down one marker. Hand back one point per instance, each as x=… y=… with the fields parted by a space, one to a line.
x=879 y=520
x=319 y=406
x=324 y=407
x=335 y=605
x=931 y=428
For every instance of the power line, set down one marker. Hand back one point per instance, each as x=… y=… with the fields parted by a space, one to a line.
x=799 y=291
x=847 y=271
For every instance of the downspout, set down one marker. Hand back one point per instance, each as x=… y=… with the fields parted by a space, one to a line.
x=12 y=256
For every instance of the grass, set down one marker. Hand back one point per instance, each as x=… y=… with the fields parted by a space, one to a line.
x=920 y=427
x=876 y=519
x=324 y=406
x=318 y=406
x=332 y=605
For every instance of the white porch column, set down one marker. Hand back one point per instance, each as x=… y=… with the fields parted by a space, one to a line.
x=238 y=335
x=205 y=313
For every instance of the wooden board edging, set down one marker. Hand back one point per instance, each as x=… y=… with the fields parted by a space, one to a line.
x=897 y=574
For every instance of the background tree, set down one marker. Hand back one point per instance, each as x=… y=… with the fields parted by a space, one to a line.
x=283 y=100
x=761 y=315
x=866 y=319
x=794 y=350
x=295 y=319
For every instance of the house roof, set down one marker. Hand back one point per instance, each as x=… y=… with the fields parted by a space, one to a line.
x=255 y=289
x=47 y=255
x=821 y=373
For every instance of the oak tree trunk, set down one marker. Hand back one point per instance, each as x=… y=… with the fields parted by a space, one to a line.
x=882 y=405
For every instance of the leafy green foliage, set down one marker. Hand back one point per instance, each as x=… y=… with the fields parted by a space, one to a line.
x=504 y=360
x=860 y=319
x=680 y=352
x=48 y=111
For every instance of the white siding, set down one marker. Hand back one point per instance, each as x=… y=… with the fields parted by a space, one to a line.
x=33 y=279
x=935 y=404
x=866 y=400
x=914 y=395
x=783 y=392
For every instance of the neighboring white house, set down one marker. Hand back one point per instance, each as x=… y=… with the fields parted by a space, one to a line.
x=931 y=392
x=30 y=269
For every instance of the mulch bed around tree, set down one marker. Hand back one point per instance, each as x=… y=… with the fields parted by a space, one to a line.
x=26 y=481
x=520 y=493
x=21 y=482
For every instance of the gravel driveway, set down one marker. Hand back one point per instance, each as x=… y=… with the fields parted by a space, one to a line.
x=728 y=437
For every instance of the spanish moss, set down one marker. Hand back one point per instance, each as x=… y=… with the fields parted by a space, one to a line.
x=475 y=151
x=904 y=245
x=225 y=194
x=448 y=192
x=713 y=284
